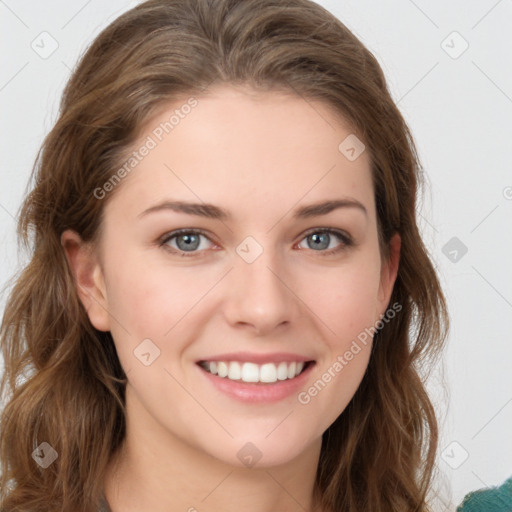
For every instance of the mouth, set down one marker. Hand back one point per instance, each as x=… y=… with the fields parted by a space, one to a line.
x=253 y=373
x=256 y=378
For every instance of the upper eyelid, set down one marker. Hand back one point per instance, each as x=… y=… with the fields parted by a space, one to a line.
x=173 y=234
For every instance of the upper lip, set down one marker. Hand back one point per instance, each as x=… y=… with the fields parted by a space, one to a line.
x=249 y=357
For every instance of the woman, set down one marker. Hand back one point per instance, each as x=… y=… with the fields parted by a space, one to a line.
x=229 y=303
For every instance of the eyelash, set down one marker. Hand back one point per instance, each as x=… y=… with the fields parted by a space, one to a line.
x=345 y=239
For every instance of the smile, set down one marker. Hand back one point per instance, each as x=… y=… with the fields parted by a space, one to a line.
x=254 y=373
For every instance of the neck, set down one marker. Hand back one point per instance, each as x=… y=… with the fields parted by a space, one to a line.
x=156 y=470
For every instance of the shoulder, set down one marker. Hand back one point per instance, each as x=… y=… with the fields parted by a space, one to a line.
x=492 y=499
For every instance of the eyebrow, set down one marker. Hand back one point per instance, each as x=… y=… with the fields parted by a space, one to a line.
x=215 y=212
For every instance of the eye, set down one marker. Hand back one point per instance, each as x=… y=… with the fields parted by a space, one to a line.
x=185 y=242
x=320 y=239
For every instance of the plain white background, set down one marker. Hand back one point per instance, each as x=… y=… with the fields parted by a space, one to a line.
x=448 y=67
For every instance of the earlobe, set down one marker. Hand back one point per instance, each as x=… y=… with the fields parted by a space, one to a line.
x=389 y=271
x=88 y=277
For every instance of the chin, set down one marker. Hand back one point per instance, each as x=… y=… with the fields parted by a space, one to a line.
x=259 y=453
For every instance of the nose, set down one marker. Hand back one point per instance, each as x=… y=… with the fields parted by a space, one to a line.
x=260 y=296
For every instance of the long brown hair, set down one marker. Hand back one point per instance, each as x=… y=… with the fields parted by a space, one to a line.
x=63 y=383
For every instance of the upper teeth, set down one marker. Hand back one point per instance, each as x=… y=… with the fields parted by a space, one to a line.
x=251 y=372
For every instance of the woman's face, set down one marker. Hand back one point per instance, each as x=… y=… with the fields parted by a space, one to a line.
x=253 y=285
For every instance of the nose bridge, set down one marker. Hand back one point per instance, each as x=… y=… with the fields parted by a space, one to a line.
x=258 y=295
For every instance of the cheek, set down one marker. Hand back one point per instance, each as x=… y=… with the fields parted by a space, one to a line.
x=345 y=301
x=347 y=314
x=150 y=302
x=151 y=299
x=345 y=298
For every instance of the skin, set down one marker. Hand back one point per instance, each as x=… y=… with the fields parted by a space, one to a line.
x=259 y=156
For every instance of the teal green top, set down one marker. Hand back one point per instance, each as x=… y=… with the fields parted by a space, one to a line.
x=491 y=499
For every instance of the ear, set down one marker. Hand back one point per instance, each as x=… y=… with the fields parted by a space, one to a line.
x=388 y=273
x=88 y=276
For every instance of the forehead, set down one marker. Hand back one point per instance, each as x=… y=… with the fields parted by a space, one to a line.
x=246 y=148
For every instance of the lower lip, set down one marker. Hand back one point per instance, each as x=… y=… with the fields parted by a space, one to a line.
x=258 y=392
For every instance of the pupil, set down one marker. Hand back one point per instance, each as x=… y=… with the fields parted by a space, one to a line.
x=189 y=241
x=319 y=242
